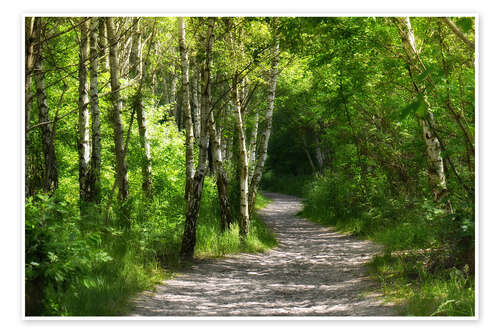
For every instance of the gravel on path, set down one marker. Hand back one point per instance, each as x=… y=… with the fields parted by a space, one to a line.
x=314 y=271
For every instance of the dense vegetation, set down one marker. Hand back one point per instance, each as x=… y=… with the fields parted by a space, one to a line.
x=347 y=136
x=147 y=140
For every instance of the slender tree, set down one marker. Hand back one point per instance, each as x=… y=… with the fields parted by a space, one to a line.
x=266 y=133
x=51 y=180
x=115 y=112
x=95 y=162
x=30 y=26
x=83 y=115
x=139 y=66
x=437 y=175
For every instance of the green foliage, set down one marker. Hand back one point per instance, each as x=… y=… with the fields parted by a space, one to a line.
x=92 y=265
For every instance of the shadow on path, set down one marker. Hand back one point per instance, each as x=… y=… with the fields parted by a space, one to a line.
x=312 y=272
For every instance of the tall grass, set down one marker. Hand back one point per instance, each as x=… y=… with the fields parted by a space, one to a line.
x=85 y=267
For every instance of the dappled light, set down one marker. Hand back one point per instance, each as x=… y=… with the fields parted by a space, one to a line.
x=312 y=272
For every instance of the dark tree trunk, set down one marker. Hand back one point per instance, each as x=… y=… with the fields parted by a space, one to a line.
x=49 y=152
x=120 y=158
x=95 y=163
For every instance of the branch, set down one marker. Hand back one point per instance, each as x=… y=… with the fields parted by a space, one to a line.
x=470 y=44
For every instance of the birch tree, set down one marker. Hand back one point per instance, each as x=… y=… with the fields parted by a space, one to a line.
x=139 y=67
x=192 y=197
x=83 y=115
x=266 y=133
x=244 y=217
x=95 y=168
x=196 y=100
x=437 y=175
x=252 y=144
x=51 y=173
x=115 y=113
x=30 y=26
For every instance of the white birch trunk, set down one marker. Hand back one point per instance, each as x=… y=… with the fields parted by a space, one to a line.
x=264 y=138
x=83 y=115
x=196 y=103
x=437 y=175
x=192 y=205
x=252 y=145
x=244 y=221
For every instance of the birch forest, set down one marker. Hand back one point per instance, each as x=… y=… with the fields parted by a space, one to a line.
x=151 y=142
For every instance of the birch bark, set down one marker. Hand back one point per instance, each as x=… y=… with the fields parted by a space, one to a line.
x=192 y=206
x=120 y=158
x=196 y=102
x=83 y=115
x=244 y=220
x=252 y=145
x=264 y=139
x=49 y=152
x=437 y=177
x=140 y=68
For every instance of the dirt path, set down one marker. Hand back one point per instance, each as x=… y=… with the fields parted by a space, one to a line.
x=313 y=271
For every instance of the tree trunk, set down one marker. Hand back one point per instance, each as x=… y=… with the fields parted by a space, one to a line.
x=102 y=43
x=95 y=161
x=49 y=152
x=30 y=26
x=196 y=102
x=83 y=115
x=309 y=158
x=224 y=204
x=244 y=220
x=252 y=145
x=121 y=163
x=320 y=156
x=138 y=67
x=173 y=97
x=192 y=192
x=437 y=177
x=264 y=138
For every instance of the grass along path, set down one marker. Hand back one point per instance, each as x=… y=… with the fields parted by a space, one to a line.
x=313 y=271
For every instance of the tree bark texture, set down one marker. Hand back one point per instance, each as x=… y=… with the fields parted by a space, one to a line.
x=196 y=101
x=95 y=161
x=252 y=145
x=266 y=133
x=83 y=115
x=192 y=207
x=244 y=219
x=49 y=152
x=115 y=116
x=138 y=67
x=437 y=177
x=222 y=189
x=102 y=43
x=30 y=26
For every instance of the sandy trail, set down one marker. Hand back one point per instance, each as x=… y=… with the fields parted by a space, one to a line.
x=312 y=272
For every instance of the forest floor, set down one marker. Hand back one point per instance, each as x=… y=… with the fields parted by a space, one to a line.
x=314 y=271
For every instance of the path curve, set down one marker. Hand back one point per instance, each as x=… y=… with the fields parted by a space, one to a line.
x=313 y=271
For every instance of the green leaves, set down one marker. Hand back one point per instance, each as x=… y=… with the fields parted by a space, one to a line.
x=465 y=23
x=417 y=107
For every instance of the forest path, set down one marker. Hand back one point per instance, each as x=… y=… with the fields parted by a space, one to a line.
x=313 y=271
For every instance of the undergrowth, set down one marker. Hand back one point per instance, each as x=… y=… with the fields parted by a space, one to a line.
x=81 y=266
x=427 y=267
